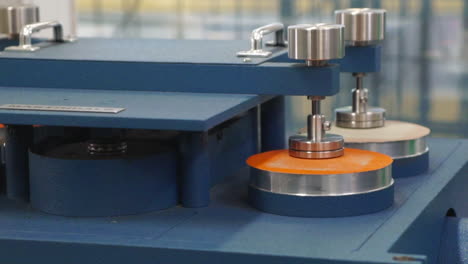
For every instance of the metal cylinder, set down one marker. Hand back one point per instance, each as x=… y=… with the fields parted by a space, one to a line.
x=14 y=17
x=363 y=26
x=316 y=42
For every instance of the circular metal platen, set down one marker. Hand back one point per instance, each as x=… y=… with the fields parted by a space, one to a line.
x=14 y=17
x=374 y=117
x=330 y=146
x=363 y=26
x=356 y=172
x=397 y=139
x=316 y=42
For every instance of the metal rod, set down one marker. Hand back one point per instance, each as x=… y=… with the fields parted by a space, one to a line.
x=359 y=94
x=315 y=107
x=315 y=121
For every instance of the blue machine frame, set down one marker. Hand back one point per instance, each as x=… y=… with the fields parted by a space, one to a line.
x=217 y=134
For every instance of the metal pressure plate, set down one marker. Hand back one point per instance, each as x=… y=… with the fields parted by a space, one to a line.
x=363 y=26
x=316 y=42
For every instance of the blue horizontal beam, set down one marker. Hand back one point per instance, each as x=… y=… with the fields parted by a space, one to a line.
x=361 y=59
x=266 y=79
x=164 y=66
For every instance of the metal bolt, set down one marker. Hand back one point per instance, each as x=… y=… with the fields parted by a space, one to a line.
x=327 y=125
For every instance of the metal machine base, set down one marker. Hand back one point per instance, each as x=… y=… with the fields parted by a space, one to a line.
x=321 y=206
x=346 y=118
x=285 y=185
x=64 y=180
x=230 y=231
x=404 y=142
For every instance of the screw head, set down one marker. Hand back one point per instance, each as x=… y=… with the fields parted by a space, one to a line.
x=327 y=125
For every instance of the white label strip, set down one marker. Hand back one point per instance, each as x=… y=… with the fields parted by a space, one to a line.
x=62 y=108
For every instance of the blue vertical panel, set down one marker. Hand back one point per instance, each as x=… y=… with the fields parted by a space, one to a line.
x=195 y=169
x=273 y=124
x=18 y=141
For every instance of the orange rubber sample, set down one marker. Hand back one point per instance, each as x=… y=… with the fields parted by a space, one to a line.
x=353 y=161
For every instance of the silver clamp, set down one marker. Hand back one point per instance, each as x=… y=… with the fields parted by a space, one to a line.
x=256 y=40
x=25 y=37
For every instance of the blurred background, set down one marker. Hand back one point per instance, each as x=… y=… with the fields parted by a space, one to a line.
x=424 y=76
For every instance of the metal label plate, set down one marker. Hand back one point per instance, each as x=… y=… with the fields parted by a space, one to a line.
x=62 y=108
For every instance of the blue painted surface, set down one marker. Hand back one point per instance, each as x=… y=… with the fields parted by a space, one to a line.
x=356 y=59
x=308 y=206
x=121 y=185
x=273 y=122
x=18 y=140
x=412 y=166
x=230 y=231
x=165 y=66
x=144 y=110
x=454 y=244
x=144 y=50
x=210 y=158
x=361 y=59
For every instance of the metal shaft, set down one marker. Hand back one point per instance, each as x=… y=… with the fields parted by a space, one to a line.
x=359 y=95
x=315 y=121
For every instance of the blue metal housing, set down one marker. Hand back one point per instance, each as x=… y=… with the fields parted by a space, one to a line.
x=164 y=66
x=361 y=59
x=120 y=185
x=230 y=231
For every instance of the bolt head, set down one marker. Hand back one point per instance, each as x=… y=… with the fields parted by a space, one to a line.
x=327 y=125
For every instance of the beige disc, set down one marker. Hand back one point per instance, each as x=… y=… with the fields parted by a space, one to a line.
x=391 y=132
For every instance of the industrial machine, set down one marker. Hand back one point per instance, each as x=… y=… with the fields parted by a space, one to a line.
x=135 y=151
x=365 y=127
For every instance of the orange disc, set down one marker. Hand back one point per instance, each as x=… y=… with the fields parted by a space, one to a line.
x=353 y=161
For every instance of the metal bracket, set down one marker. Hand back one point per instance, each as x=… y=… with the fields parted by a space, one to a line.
x=25 y=37
x=256 y=40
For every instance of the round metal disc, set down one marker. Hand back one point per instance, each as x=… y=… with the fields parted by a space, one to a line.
x=316 y=154
x=374 y=117
x=396 y=139
x=329 y=142
x=356 y=172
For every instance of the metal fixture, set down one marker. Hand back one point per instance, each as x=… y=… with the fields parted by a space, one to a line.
x=25 y=37
x=13 y=18
x=316 y=44
x=256 y=40
x=322 y=185
x=63 y=108
x=363 y=27
x=107 y=147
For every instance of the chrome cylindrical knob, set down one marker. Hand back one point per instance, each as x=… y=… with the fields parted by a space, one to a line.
x=316 y=42
x=14 y=17
x=363 y=26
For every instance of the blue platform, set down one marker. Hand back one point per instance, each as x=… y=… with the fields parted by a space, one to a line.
x=230 y=231
x=143 y=109
x=194 y=66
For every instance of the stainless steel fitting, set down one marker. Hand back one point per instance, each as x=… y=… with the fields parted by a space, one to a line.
x=363 y=26
x=316 y=44
x=14 y=17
